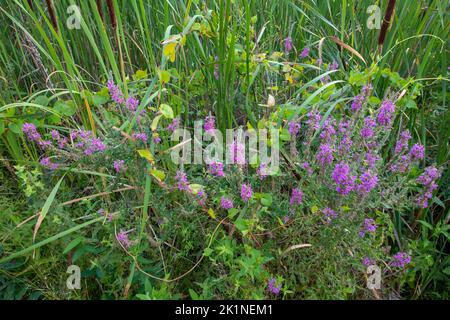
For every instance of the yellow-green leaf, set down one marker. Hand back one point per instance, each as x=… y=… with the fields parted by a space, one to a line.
x=146 y=154
x=158 y=174
x=169 y=50
x=211 y=213
x=155 y=122
x=166 y=110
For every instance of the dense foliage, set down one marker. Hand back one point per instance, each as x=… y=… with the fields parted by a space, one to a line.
x=88 y=117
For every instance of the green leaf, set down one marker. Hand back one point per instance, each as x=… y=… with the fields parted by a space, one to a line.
x=73 y=244
x=158 y=174
x=167 y=111
x=65 y=108
x=146 y=154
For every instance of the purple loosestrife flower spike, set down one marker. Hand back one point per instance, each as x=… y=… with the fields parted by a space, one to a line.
x=210 y=124
x=368 y=182
x=294 y=128
x=417 y=152
x=402 y=142
x=325 y=154
x=385 y=113
x=273 y=288
x=226 y=203
x=118 y=165
x=304 y=53
x=401 y=260
x=183 y=184
x=344 y=181
x=296 y=197
x=246 y=192
x=288 y=45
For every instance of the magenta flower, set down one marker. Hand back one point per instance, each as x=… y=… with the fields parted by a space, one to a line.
x=386 y=112
x=288 y=45
x=118 y=165
x=344 y=181
x=357 y=103
x=428 y=181
x=306 y=166
x=216 y=169
x=210 y=124
x=313 y=121
x=115 y=93
x=183 y=184
x=226 y=203
x=368 y=262
x=174 y=125
x=369 y=226
x=132 y=104
x=304 y=53
x=156 y=139
x=328 y=130
x=402 y=142
x=401 y=260
x=246 y=192
x=417 y=152
x=368 y=182
x=122 y=237
x=201 y=196
x=325 y=154
x=273 y=288
x=367 y=130
x=294 y=128
x=296 y=197
x=329 y=214
x=45 y=162
x=139 y=136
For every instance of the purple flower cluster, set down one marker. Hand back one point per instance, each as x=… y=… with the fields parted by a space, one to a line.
x=368 y=182
x=386 y=113
x=246 y=192
x=368 y=226
x=226 y=203
x=210 y=124
x=325 y=154
x=417 y=152
x=428 y=181
x=367 y=131
x=201 y=196
x=182 y=181
x=132 y=104
x=357 y=103
x=401 y=260
x=344 y=180
x=273 y=288
x=30 y=130
x=329 y=214
x=61 y=141
x=115 y=93
x=262 y=171
x=368 y=262
x=103 y=213
x=216 y=169
x=296 y=197
x=237 y=152
x=328 y=130
x=313 y=121
x=87 y=142
x=139 y=136
x=402 y=142
x=45 y=162
x=304 y=53
x=288 y=45
x=371 y=159
x=122 y=237
x=294 y=128
x=118 y=165
x=174 y=125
